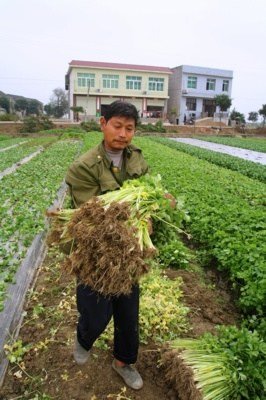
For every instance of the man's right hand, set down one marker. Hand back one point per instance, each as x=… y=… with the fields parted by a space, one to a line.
x=171 y=198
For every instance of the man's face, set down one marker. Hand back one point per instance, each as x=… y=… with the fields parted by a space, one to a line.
x=118 y=132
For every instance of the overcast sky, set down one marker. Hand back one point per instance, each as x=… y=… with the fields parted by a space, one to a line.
x=38 y=38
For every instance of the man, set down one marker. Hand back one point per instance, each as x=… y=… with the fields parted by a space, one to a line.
x=102 y=169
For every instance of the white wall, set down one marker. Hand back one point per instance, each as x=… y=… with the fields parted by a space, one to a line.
x=88 y=103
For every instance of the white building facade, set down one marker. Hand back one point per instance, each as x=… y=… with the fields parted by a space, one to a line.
x=93 y=85
x=192 y=91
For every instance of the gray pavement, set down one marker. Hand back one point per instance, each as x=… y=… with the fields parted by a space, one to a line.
x=250 y=155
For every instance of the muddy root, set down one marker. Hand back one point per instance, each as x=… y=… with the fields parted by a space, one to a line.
x=180 y=376
x=107 y=255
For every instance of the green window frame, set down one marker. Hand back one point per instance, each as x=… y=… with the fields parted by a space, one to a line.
x=133 y=82
x=110 y=81
x=210 y=84
x=86 y=80
x=156 y=84
x=192 y=82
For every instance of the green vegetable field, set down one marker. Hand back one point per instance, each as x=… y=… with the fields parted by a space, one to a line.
x=202 y=321
x=257 y=144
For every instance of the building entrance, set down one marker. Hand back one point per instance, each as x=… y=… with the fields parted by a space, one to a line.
x=209 y=107
x=154 y=112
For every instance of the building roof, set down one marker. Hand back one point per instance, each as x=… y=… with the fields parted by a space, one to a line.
x=108 y=65
x=192 y=69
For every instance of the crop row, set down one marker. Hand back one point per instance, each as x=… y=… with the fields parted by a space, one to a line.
x=256 y=144
x=248 y=168
x=24 y=197
x=228 y=225
x=10 y=142
x=227 y=211
x=14 y=155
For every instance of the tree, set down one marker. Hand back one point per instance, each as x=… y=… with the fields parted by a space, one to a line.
x=253 y=116
x=34 y=107
x=21 y=105
x=58 y=105
x=223 y=102
x=237 y=116
x=4 y=103
x=76 y=111
x=262 y=112
x=48 y=109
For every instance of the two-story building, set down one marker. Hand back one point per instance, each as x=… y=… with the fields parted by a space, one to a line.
x=192 y=91
x=93 y=85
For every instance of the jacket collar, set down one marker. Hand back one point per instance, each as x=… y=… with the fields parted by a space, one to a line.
x=102 y=153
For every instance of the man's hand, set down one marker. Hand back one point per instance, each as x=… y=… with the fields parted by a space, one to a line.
x=150 y=229
x=171 y=198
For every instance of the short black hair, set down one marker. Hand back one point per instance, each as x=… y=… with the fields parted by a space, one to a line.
x=121 y=109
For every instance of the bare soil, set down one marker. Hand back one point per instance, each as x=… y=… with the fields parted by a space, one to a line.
x=48 y=371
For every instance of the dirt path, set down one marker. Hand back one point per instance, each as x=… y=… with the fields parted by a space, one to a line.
x=48 y=371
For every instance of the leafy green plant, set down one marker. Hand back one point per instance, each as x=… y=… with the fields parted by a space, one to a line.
x=16 y=351
x=227 y=216
x=7 y=142
x=256 y=144
x=250 y=169
x=62 y=130
x=174 y=255
x=229 y=366
x=28 y=193
x=162 y=314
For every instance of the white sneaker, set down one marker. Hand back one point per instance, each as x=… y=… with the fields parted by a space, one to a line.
x=80 y=354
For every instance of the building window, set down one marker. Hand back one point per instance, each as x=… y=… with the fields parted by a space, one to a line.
x=156 y=84
x=225 y=85
x=210 y=85
x=133 y=82
x=192 y=82
x=86 y=80
x=191 y=103
x=110 y=81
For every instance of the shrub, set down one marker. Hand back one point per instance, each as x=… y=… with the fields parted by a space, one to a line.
x=8 y=117
x=91 y=126
x=35 y=124
x=157 y=127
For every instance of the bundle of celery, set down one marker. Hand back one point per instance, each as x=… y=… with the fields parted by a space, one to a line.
x=230 y=366
x=110 y=233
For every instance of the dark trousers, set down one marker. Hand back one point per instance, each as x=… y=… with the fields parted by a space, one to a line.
x=95 y=313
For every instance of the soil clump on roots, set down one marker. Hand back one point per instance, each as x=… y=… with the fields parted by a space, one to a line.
x=180 y=376
x=106 y=256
